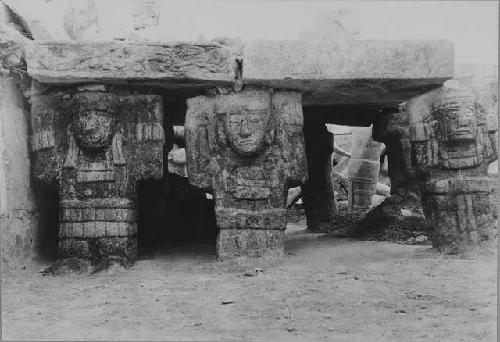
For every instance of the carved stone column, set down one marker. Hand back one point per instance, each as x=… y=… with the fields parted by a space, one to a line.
x=363 y=168
x=95 y=146
x=392 y=129
x=318 y=191
x=247 y=149
x=451 y=149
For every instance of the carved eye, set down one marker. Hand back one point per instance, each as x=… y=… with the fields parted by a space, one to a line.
x=452 y=115
x=233 y=119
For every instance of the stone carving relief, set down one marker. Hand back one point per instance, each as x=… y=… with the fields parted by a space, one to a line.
x=452 y=147
x=247 y=149
x=94 y=147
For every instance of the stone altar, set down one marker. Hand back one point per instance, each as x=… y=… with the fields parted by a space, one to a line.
x=452 y=145
x=95 y=146
x=247 y=149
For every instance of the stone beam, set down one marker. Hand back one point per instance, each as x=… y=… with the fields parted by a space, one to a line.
x=365 y=71
x=379 y=73
x=78 y=62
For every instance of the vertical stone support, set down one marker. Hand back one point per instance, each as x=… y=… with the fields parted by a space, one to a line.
x=318 y=191
x=392 y=129
x=452 y=146
x=363 y=168
x=247 y=149
x=95 y=146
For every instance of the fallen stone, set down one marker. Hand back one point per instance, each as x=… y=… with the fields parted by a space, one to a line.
x=66 y=266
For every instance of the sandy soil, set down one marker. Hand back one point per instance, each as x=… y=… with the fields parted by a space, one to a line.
x=324 y=289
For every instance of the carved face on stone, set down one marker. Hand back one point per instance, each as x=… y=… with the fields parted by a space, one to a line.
x=93 y=129
x=456 y=117
x=246 y=131
x=391 y=125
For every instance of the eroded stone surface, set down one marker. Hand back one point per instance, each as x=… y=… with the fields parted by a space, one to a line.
x=247 y=149
x=318 y=191
x=392 y=129
x=452 y=145
x=95 y=146
x=72 y=62
x=359 y=72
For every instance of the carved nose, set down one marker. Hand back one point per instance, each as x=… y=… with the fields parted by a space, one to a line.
x=244 y=129
x=90 y=125
x=463 y=121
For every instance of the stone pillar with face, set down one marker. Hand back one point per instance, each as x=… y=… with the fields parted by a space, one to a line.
x=392 y=129
x=318 y=192
x=247 y=149
x=95 y=146
x=450 y=152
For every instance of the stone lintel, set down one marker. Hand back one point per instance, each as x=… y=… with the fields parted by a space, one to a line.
x=359 y=72
x=119 y=62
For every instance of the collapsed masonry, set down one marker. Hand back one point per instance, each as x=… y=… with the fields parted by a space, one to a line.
x=254 y=127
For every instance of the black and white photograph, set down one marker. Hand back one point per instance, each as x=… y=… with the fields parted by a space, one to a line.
x=249 y=170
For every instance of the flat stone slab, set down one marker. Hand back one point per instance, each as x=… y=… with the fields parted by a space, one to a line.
x=359 y=72
x=77 y=62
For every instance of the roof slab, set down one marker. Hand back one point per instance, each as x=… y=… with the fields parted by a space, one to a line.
x=361 y=72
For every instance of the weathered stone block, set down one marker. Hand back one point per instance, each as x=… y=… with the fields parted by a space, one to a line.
x=89 y=229
x=87 y=214
x=100 y=229
x=174 y=63
x=77 y=229
x=359 y=72
x=105 y=214
x=112 y=229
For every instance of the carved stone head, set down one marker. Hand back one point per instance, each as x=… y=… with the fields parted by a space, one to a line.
x=93 y=122
x=246 y=130
x=390 y=125
x=456 y=115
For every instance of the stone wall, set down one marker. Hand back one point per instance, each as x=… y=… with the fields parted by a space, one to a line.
x=18 y=219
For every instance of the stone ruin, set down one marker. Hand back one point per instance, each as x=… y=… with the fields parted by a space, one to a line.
x=254 y=120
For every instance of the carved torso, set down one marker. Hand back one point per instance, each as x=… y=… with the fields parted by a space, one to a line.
x=95 y=147
x=248 y=171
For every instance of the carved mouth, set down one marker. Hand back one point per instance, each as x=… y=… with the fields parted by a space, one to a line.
x=463 y=132
x=246 y=142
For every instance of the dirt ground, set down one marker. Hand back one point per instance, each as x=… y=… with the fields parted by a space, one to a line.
x=325 y=288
